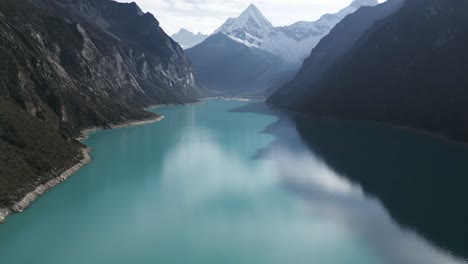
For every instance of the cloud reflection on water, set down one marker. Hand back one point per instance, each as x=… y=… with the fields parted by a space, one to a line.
x=338 y=199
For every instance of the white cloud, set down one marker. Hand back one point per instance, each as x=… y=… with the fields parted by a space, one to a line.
x=207 y=15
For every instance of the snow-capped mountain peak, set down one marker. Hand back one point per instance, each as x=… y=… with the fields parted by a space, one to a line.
x=249 y=28
x=292 y=43
x=253 y=17
x=250 y=19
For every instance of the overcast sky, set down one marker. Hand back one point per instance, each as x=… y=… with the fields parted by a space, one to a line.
x=207 y=15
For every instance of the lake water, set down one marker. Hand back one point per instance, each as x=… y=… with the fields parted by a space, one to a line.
x=234 y=182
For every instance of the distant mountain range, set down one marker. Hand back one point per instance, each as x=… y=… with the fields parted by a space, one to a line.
x=290 y=45
x=187 y=39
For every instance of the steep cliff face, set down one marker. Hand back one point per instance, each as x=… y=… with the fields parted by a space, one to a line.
x=78 y=64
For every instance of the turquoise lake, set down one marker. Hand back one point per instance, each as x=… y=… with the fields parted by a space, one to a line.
x=220 y=182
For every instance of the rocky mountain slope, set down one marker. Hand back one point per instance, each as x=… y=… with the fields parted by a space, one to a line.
x=408 y=69
x=292 y=43
x=78 y=64
x=330 y=50
x=68 y=65
x=31 y=153
x=187 y=39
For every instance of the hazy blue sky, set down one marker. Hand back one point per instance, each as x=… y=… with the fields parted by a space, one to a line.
x=207 y=15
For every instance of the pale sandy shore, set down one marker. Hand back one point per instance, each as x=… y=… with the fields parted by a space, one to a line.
x=85 y=132
x=41 y=189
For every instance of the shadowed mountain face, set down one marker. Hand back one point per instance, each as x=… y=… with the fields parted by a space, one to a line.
x=408 y=69
x=331 y=49
x=228 y=67
x=78 y=64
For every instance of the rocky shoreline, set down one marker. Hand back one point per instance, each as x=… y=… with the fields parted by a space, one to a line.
x=41 y=189
x=85 y=132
